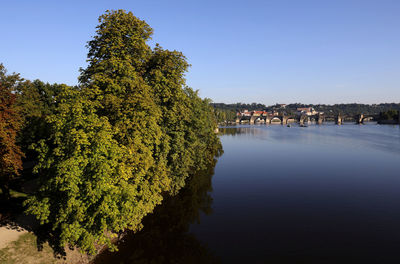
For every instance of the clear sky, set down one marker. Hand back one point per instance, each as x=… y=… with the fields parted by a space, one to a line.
x=281 y=51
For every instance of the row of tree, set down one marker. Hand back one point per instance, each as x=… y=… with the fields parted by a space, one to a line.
x=108 y=150
x=350 y=109
x=389 y=115
x=224 y=115
x=239 y=106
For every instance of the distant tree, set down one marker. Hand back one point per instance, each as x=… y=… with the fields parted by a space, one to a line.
x=239 y=106
x=224 y=115
x=10 y=123
x=389 y=115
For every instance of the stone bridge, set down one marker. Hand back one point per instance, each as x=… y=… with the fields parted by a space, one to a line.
x=359 y=119
x=318 y=118
x=267 y=119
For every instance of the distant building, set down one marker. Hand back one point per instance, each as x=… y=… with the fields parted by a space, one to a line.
x=281 y=105
x=306 y=111
x=244 y=113
x=252 y=113
x=257 y=113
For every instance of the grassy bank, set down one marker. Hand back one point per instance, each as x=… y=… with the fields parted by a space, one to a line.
x=26 y=250
x=23 y=241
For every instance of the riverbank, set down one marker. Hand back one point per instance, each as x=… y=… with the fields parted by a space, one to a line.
x=20 y=245
x=23 y=247
x=23 y=241
x=388 y=122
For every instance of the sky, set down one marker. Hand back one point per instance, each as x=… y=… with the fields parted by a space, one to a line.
x=281 y=51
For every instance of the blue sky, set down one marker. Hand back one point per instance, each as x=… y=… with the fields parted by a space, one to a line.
x=241 y=51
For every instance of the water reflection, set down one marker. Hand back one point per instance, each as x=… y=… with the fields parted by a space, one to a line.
x=165 y=237
x=370 y=135
x=238 y=130
x=320 y=194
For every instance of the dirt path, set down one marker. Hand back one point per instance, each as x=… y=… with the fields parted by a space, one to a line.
x=9 y=234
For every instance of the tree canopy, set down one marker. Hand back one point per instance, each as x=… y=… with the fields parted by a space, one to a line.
x=10 y=123
x=131 y=132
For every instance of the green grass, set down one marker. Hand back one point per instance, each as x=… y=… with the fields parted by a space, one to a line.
x=25 y=250
x=15 y=194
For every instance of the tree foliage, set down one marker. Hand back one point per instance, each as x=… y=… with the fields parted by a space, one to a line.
x=82 y=172
x=166 y=230
x=131 y=132
x=345 y=109
x=10 y=123
x=35 y=101
x=389 y=115
x=239 y=106
x=224 y=115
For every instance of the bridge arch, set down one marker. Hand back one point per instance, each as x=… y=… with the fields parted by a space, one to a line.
x=361 y=118
x=276 y=119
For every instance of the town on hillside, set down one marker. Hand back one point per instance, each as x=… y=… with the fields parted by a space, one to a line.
x=384 y=113
x=308 y=111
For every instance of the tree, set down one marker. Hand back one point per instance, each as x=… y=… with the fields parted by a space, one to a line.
x=389 y=115
x=165 y=74
x=115 y=80
x=35 y=100
x=126 y=136
x=204 y=143
x=83 y=190
x=166 y=230
x=10 y=123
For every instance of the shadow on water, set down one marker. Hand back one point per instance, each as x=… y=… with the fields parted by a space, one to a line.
x=165 y=237
x=322 y=194
x=237 y=130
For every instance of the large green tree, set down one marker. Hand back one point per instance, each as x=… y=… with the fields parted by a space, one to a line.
x=130 y=133
x=115 y=79
x=83 y=189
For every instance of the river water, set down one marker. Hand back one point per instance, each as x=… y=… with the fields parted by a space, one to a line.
x=316 y=194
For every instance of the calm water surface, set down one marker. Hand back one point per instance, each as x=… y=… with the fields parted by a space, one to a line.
x=321 y=194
